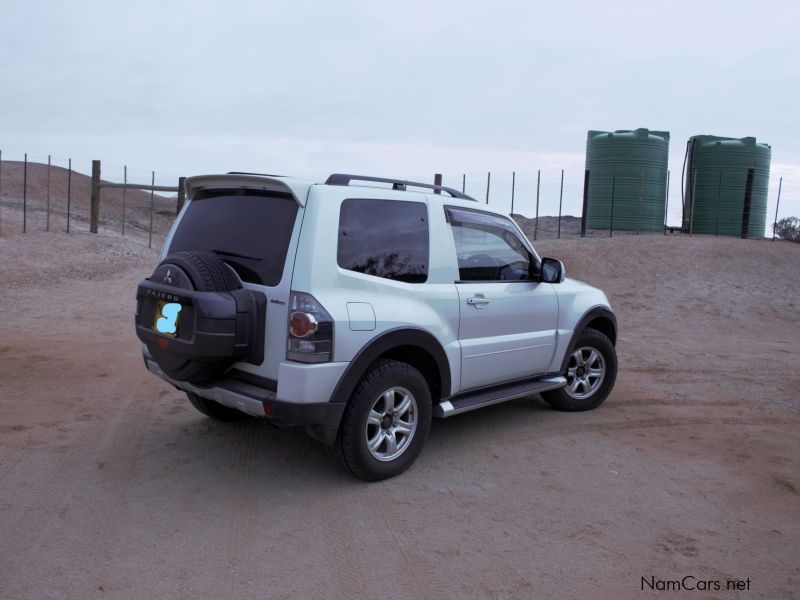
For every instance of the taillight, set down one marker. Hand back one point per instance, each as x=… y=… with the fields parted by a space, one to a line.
x=302 y=324
x=310 y=338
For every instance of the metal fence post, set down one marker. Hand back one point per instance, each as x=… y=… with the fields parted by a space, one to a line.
x=536 y=222
x=69 y=191
x=613 y=190
x=1 y=187
x=560 y=201
x=748 y=202
x=639 y=209
x=691 y=213
x=25 y=195
x=719 y=192
x=124 y=195
x=585 y=201
x=513 y=185
x=775 y=223
x=47 y=221
x=488 y=183
x=94 y=216
x=152 y=191
x=666 y=205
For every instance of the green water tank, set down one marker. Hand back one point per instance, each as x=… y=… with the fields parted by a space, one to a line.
x=626 y=171
x=726 y=183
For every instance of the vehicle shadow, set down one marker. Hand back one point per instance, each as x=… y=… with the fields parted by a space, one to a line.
x=255 y=457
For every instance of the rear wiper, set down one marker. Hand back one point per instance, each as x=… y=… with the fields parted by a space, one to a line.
x=236 y=254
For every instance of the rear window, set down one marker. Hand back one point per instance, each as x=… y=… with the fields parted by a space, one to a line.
x=384 y=238
x=248 y=229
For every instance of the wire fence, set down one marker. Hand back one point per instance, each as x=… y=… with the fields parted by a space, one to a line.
x=51 y=194
x=635 y=201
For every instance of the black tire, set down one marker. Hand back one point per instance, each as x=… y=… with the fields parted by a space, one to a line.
x=350 y=451
x=215 y=410
x=203 y=272
x=562 y=399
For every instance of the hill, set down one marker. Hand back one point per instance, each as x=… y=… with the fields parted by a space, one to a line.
x=548 y=226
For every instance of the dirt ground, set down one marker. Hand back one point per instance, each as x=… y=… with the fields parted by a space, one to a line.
x=112 y=485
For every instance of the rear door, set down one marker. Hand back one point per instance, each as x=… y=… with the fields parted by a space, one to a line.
x=254 y=231
x=508 y=319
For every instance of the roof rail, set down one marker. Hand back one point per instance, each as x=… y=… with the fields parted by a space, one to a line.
x=397 y=184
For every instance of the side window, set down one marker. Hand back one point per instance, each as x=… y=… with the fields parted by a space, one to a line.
x=488 y=247
x=384 y=238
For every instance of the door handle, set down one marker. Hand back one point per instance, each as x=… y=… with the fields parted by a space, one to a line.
x=478 y=301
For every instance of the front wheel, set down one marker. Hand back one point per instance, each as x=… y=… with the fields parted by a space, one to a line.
x=386 y=422
x=591 y=373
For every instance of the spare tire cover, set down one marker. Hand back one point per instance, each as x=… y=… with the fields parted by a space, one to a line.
x=201 y=272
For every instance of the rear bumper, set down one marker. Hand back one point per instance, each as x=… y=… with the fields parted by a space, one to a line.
x=320 y=418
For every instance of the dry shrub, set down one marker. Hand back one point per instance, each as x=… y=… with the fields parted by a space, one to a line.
x=788 y=229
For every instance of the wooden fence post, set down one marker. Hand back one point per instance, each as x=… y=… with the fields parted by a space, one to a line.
x=181 y=193
x=437 y=180
x=94 y=216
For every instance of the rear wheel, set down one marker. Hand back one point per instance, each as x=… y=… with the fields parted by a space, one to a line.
x=591 y=373
x=215 y=410
x=386 y=422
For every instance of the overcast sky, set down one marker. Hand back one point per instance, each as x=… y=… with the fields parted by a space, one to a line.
x=398 y=89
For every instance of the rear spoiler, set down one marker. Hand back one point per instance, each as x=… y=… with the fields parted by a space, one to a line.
x=297 y=189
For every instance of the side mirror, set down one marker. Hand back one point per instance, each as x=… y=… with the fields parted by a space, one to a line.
x=552 y=270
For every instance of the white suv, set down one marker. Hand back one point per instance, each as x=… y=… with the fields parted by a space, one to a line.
x=362 y=311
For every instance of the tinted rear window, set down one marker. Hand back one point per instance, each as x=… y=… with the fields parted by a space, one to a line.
x=248 y=229
x=384 y=238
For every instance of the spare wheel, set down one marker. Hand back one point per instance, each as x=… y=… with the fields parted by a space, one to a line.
x=196 y=319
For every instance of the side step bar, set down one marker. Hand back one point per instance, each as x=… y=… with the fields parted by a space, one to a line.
x=461 y=403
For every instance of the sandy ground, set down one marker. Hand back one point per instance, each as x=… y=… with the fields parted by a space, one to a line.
x=111 y=485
